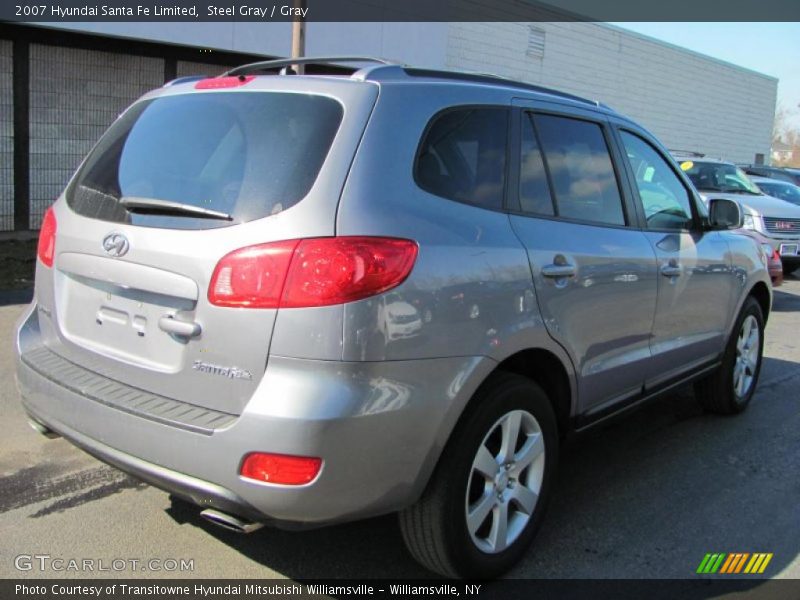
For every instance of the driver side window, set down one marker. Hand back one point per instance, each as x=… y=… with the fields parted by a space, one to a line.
x=665 y=200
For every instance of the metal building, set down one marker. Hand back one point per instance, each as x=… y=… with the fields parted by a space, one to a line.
x=61 y=87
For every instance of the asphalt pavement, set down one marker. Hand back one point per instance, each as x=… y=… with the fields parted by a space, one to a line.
x=645 y=497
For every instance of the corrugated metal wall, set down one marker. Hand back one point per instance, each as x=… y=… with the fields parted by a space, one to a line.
x=6 y=138
x=74 y=96
x=690 y=101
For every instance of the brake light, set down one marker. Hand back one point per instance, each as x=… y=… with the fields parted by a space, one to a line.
x=280 y=468
x=311 y=272
x=215 y=83
x=46 y=249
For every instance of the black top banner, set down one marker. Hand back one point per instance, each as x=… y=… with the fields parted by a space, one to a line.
x=53 y=11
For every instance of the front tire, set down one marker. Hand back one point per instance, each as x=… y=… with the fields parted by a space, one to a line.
x=487 y=496
x=729 y=390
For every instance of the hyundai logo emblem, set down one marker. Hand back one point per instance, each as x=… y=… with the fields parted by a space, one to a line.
x=116 y=244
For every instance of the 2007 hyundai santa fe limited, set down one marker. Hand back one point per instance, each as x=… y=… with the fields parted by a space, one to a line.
x=302 y=300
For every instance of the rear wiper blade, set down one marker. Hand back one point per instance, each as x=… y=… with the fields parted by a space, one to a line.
x=153 y=205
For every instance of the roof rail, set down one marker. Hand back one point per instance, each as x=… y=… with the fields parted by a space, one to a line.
x=384 y=70
x=497 y=80
x=267 y=65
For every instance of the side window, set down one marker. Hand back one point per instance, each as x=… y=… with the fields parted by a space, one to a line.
x=463 y=156
x=581 y=171
x=534 y=191
x=666 y=202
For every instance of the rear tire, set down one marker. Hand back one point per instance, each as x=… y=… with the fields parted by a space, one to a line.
x=729 y=389
x=487 y=496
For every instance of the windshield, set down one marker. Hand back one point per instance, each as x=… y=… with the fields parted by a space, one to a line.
x=243 y=154
x=784 y=191
x=719 y=177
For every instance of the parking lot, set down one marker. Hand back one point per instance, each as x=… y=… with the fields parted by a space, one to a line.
x=645 y=497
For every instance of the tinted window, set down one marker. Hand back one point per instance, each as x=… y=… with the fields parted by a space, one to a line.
x=581 y=171
x=665 y=200
x=718 y=177
x=244 y=154
x=534 y=191
x=784 y=191
x=463 y=156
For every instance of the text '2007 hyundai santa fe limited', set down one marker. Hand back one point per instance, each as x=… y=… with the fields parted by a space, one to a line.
x=303 y=300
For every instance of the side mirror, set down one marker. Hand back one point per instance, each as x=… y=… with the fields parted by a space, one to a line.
x=725 y=214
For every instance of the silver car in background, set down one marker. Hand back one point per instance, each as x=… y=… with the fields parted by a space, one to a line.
x=303 y=300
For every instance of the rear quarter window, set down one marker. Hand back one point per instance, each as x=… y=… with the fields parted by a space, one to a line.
x=462 y=156
x=246 y=154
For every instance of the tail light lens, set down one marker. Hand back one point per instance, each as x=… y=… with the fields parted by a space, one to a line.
x=280 y=468
x=311 y=272
x=46 y=249
x=215 y=83
x=252 y=276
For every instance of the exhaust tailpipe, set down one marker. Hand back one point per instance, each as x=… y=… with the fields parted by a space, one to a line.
x=230 y=522
x=45 y=431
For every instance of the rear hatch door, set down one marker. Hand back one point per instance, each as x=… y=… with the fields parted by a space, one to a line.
x=181 y=179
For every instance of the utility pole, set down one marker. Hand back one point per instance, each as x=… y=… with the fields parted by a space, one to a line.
x=299 y=35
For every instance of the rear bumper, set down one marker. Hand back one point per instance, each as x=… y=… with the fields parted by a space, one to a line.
x=379 y=428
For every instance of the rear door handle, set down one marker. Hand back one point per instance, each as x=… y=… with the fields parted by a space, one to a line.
x=671 y=269
x=188 y=329
x=558 y=271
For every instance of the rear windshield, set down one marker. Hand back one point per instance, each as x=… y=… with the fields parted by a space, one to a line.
x=246 y=155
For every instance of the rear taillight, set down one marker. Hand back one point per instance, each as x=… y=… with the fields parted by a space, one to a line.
x=252 y=276
x=312 y=272
x=280 y=468
x=47 y=238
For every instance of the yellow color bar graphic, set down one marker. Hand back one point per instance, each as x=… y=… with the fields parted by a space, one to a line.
x=758 y=563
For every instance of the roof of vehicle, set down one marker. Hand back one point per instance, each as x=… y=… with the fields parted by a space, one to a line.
x=761 y=179
x=379 y=70
x=764 y=167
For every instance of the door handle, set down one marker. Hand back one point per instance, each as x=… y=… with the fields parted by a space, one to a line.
x=558 y=271
x=187 y=329
x=671 y=269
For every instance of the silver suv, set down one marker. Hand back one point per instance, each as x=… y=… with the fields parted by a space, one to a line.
x=302 y=300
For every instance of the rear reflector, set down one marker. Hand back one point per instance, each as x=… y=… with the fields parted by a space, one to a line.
x=47 y=238
x=312 y=272
x=280 y=468
x=214 y=83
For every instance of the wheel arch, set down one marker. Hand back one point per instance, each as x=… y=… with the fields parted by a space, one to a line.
x=761 y=293
x=549 y=372
x=548 y=368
